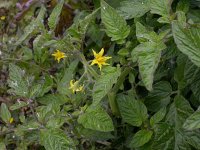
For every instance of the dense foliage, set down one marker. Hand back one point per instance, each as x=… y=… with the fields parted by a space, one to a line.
x=100 y=74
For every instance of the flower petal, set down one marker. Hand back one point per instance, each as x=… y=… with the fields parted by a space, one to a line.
x=94 y=53
x=101 y=52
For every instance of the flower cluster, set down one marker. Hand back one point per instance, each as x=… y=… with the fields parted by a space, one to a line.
x=99 y=59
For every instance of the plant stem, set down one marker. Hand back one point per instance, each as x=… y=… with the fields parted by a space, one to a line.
x=87 y=66
x=112 y=94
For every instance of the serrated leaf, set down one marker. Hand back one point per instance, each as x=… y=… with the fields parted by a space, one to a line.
x=46 y=113
x=159 y=97
x=179 y=71
x=16 y=82
x=55 y=122
x=96 y=118
x=171 y=134
x=179 y=111
x=163 y=8
x=18 y=105
x=157 y=117
x=5 y=113
x=140 y=138
x=54 y=17
x=93 y=134
x=34 y=25
x=79 y=28
x=104 y=84
x=191 y=75
x=163 y=137
x=130 y=8
x=132 y=111
x=193 y=121
x=148 y=54
x=143 y=34
x=55 y=139
x=187 y=40
x=34 y=91
x=46 y=86
x=53 y=99
x=116 y=26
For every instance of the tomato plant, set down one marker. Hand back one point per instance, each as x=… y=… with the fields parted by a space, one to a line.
x=100 y=74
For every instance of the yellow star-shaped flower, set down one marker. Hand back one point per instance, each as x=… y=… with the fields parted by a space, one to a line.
x=59 y=55
x=75 y=87
x=3 y=18
x=11 y=120
x=99 y=59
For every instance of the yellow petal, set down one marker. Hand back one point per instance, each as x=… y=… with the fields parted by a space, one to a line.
x=101 y=52
x=3 y=17
x=11 y=120
x=94 y=53
x=107 y=58
x=100 y=66
x=71 y=83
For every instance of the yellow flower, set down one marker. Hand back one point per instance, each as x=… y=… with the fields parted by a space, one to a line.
x=11 y=120
x=75 y=87
x=58 y=55
x=99 y=59
x=3 y=18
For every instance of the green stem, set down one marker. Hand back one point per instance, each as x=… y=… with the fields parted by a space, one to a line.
x=88 y=67
x=112 y=94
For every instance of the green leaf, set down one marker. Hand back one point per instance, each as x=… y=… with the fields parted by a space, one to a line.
x=156 y=118
x=130 y=8
x=96 y=119
x=34 y=91
x=123 y=52
x=55 y=139
x=179 y=111
x=55 y=122
x=159 y=97
x=140 y=138
x=93 y=134
x=191 y=75
x=46 y=86
x=79 y=28
x=171 y=134
x=132 y=111
x=179 y=71
x=54 y=17
x=163 y=137
x=34 y=26
x=148 y=54
x=5 y=113
x=163 y=8
x=145 y=35
x=16 y=81
x=170 y=138
x=40 y=51
x=193 y=121
x=53 y=99
x=104 y=84
x=116 y=26
x=187 y=40
x=18 y=105
x=46 y=113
